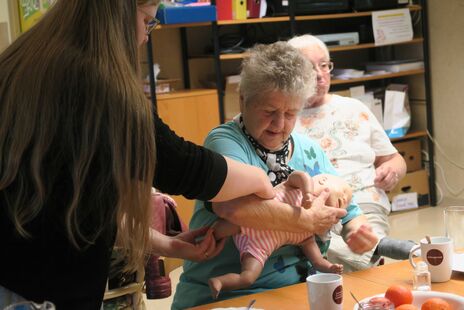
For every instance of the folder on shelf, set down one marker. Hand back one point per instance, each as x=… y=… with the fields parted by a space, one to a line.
x=239 y=9
x=224 y=9
x=253 y=8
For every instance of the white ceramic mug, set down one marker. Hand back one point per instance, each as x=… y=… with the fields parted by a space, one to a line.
x=325 y=291
x=438 y=255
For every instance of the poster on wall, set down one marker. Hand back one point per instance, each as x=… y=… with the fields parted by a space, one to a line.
x=30 y=11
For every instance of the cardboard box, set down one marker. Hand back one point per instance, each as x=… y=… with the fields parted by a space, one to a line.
x=411 y=152
x=231 y=97
x=186 y=14
x=413 y=182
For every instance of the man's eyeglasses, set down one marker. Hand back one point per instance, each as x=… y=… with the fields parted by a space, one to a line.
x=151 y=24
x=325 y=66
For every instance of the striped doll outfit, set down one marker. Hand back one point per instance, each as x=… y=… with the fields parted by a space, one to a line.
x=261 y=243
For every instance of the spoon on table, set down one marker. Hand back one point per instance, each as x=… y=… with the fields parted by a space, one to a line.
x=250 y=305
x=357 y=301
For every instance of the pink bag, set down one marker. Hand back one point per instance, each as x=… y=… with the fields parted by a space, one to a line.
x=165 y=220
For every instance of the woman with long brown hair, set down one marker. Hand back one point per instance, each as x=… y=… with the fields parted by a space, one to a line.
x=80 y=149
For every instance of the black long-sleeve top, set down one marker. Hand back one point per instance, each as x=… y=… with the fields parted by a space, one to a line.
x=48 y=267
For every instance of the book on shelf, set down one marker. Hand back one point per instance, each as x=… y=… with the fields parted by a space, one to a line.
x=395 y=65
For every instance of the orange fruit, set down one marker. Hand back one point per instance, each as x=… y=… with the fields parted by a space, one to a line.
x=406 y=307
x=399 y=295
x=435 y=304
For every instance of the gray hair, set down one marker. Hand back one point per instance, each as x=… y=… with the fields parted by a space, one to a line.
x=307 y=40
x=276 y=67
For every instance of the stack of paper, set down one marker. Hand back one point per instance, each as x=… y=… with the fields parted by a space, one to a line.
x=346 y=74
x=395 y=65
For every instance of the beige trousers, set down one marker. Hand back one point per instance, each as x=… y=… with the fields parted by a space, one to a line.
x=339 y=252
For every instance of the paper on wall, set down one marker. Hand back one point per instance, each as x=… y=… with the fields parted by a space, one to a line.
x=392 y=26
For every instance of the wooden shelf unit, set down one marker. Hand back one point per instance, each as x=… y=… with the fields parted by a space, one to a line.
x=332 y=49
x=366 y=50
x=412 y=8
x=411 y=135
x=378 y=77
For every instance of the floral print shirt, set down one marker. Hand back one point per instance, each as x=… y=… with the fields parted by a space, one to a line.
x=352 y=138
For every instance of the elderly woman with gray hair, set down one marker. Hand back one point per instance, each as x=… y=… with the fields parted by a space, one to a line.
x=360 y=151
x=274 y=85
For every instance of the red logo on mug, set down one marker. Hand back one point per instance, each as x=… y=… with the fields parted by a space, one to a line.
x=434 y=257
x=337 y=295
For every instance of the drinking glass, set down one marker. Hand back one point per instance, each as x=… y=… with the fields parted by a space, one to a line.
x=454 y=223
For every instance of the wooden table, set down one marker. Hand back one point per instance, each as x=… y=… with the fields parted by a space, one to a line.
x=362 y=283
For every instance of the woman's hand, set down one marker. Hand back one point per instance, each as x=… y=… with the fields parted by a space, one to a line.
x=185 y=246
x=361 y=239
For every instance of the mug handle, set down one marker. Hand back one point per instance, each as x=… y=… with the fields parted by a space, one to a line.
x=411 y=252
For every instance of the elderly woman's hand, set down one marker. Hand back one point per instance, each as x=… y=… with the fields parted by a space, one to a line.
x=386 y=177
x=323 y=216
x=361 y=239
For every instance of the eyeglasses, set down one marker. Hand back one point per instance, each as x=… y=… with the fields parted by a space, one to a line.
x=325 y=66
x=151 y=24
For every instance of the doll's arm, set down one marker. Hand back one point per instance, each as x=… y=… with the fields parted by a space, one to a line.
x=303 y=182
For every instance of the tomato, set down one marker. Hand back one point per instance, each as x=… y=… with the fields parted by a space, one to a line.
x=435 y=304
x=406 y=307
x=399 y=295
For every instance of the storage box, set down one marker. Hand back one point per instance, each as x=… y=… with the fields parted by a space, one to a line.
x=417 y=182
x=411 y=152
x=186 y=14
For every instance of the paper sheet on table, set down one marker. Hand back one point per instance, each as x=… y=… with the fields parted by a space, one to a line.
x=392 y=26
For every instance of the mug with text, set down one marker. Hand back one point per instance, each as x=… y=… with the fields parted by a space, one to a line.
x=325 y=291
x=438 y=255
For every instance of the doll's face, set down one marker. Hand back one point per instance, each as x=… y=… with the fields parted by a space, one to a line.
x=340 y=192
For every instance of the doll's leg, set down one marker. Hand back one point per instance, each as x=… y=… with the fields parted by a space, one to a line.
x=251 y=269
x=223 y=229
x=312 y=252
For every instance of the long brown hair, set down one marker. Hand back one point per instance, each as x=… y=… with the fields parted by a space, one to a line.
x=71 y=104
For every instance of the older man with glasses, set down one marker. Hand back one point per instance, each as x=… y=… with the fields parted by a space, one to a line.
x=360 y=151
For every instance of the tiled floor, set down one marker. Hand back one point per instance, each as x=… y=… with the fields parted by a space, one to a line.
x=412 y=225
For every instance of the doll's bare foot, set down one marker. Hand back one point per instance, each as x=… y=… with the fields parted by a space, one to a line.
x=336 y=268
x=215 y=286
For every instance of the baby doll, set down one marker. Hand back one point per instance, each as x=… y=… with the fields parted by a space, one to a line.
x=255 y=246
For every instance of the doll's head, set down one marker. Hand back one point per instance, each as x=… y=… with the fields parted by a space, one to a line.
x=340 y=192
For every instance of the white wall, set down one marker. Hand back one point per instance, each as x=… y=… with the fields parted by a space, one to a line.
x=5 y=33
x=446 y=22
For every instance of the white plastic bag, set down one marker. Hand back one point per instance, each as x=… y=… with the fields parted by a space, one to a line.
x=397 y=114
